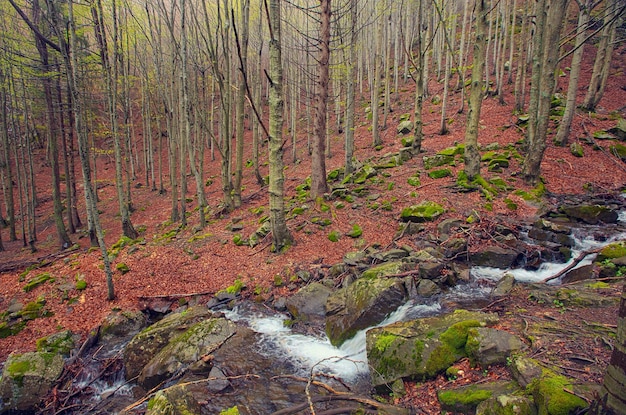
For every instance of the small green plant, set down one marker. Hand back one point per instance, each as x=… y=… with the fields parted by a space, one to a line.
x=236 y=287
x=278 y=281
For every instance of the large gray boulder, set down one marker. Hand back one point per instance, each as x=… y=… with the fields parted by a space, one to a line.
x=494 y=256
x=363 y=304
x=466 y=399
x=420 y=348
x=145 y=345
x=507 y=405
x=591 y=214
x=175 y=400
x=309 y=303
x=190 y=346
x=488 y=346
x=27 y=378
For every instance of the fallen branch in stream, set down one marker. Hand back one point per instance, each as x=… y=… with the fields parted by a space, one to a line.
x=576 y=261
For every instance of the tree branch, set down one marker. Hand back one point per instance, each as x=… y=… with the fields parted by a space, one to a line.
x=33 y=27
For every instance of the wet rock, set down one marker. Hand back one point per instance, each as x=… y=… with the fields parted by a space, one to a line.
x=466 y=399
x=591 y=214
x=27 y=378
x=121 y=324
x=145 y=345
x=581 y=273
x=363 y=304
x=504 y=286
x=494 y=256
x=488 y=346
x=420 y=348
x=454 y=246
x=309 y=303
x=427 y=288
x=188 y=347
x=430 y=269
x=394 y=254
x=217 y=380
x=59 y=343
x=507 y=405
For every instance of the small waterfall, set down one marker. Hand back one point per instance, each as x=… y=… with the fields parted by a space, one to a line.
x=315 y=354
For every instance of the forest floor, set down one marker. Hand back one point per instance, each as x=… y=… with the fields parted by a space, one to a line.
x=182 y=262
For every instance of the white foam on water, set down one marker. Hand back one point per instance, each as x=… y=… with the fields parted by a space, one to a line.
x=317 y=354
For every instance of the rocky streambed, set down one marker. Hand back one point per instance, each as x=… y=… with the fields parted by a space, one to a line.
x=382 y=316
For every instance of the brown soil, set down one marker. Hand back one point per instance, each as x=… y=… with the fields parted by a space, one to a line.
x=212 y=262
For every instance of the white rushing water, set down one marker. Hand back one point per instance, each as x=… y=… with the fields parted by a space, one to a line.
x=316 y=354
x=583 y=241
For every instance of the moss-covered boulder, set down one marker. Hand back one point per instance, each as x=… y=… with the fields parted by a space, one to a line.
x=363 y=304
x=309 y=302
x=437 y=160
x=120 y=325
x=552 y=394
x=422 y=348
x=59 y=343
x=486 y=345
x=612 y=251
x=188 y=347
x=175 y=400
x=466 y=399
x=591 y=214
x=364 y=173
x=507 y=405
x=405 y=127
x=145 y=345
x=619 y=130
x=27 y=378
x=424 y=212
x=494 y=256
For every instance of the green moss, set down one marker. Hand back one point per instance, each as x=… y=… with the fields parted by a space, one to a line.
x=440 y=359
x=334 y=236
x=612 y=251
x=384 y=341
x=58 y=343
x=37 y=281
x=230 y=411
x=238 y=240
x=597 y=285
x=355 y=232
x=18 y=368
x=439 y=174
x=122 y=267
x=551 y=396
x=236 y=287
x=470 y=396
x=81 y=285
x=456 y=335
x=386 y=355
x=414 y=181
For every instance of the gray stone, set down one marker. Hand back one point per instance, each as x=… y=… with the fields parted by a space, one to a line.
x=465 y=399
x=145 y=345
x=188 y=347
x=424 y=212
x=217 y=380
x=591 y=214
x=427 y=288
x=504 y=286
x=122 y=324
x=309 y=303
x=488 y=346
x=363 y=304
x=581 y=273
x=405 y=127
x=507 y=405
x=525 y=370
x=445 y=226
x=430 y=269
x=175 y=400
x=27 y=378
x=494 y=256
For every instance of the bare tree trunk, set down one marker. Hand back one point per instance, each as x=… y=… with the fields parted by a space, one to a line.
x=5 y=164
x=241 y=97
x=351 y=74
x=280 y=233
x=472 y=156
x=420 y=69
x=572 y=89
x=318 y=158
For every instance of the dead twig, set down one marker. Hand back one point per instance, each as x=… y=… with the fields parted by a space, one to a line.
x=576 y=261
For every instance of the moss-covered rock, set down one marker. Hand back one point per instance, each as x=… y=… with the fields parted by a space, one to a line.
x=405 y=127
x=552 y=397
x=309 y=302
x=121 y=325
x=591 y=214
x=507 y=405
x=186 y=348
x=612 y=251
x=27 y=378
x=577 y=150
x=437 y=160
x=37 y=281
x=422 y=348
x=175 y=400
x=363 y=304
x=145 y=345
x=424 y=212
x=439 y=174
x=59 y=343
x=487 y=346
x=466 y=399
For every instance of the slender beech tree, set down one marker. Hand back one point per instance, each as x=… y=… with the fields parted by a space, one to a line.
x=551 y=15
x=419 y=76
x=319 y=186
x=472 y=156
x=565 y=125
x=280 y=233
x=351 y=74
